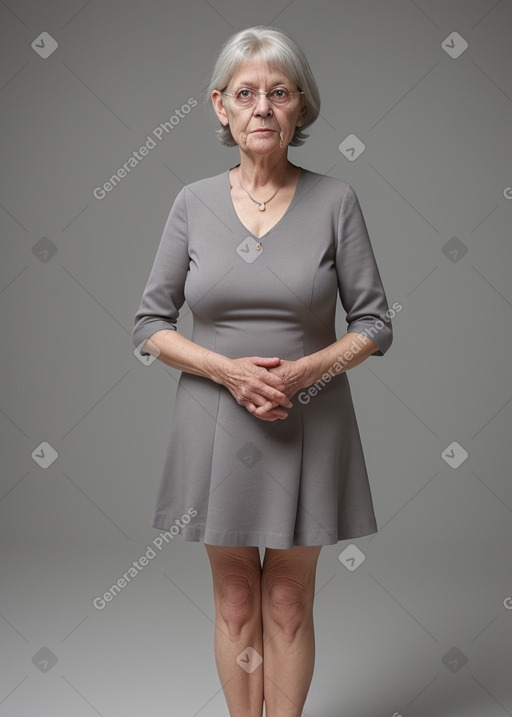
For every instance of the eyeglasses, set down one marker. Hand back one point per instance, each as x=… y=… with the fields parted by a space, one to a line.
x=246 y=97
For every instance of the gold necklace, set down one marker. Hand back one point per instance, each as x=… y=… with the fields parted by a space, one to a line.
x=262 y=205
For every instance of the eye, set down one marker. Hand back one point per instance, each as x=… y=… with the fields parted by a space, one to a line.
x=244 y=93
x=279 y=93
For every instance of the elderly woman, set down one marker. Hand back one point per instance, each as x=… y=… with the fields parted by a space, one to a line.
x=260 y=253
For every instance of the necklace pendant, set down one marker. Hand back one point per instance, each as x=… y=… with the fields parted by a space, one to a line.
x=262 y=207
x=258 y=246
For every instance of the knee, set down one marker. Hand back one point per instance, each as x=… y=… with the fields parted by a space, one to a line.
x=237 y=596
x=288 y=605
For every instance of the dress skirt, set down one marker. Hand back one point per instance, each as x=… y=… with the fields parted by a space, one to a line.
x=229 y=478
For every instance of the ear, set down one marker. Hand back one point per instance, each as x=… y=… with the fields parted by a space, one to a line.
x=302 y=115
x=218 y=106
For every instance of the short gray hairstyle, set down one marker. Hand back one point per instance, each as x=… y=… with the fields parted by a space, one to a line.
x=279 y=51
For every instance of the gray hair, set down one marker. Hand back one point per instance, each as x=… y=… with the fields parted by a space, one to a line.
x=279 y=51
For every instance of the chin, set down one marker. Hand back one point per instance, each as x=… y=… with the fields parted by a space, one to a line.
x=263 y=143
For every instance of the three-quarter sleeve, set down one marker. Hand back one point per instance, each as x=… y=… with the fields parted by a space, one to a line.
x=163 y=296
x=360 y=287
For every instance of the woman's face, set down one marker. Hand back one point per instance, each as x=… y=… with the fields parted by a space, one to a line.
x=244 y=121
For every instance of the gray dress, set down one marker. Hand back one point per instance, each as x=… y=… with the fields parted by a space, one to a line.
x=228 y=477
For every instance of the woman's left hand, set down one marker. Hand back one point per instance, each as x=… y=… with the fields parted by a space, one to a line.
x=293 y=374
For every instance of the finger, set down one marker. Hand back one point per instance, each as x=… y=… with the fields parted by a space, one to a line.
x=267 y=406
x=269 y=391
x=270 y=407
x=261 y=368
x=259 y=392
x=269 y=415
x=271 y=397
x=266 y=362
x=254 y=402
x=279 y=398
x=274 y=415
x=266 y=410
x=272 y=379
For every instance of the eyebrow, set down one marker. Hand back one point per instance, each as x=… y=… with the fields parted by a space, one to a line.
x=250 y=84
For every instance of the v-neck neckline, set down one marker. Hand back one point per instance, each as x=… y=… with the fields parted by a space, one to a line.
x=290 y=205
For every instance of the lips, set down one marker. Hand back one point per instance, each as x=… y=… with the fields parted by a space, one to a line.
x=262 y=129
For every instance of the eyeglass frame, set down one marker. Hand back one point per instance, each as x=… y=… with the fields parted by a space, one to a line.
x=262 y=92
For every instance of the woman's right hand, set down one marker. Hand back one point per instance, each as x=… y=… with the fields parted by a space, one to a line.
x=252 y=385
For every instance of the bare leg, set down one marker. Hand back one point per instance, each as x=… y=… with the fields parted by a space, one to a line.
x=288 y=585
x=236 y=576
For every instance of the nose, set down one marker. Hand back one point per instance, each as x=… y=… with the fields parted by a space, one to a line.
x=263 y=109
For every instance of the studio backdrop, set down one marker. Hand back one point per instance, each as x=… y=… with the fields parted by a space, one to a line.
x=102 y=123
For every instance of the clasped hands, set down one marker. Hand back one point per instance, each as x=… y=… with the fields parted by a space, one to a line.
x=264 y=386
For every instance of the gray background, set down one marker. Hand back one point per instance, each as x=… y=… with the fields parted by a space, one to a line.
x=436 y=583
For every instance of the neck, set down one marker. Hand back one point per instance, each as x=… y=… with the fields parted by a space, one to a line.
x=258 y=171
